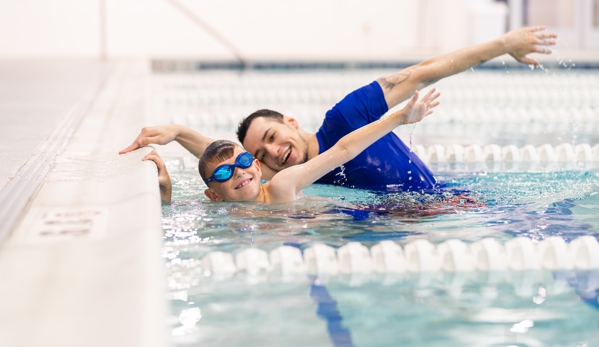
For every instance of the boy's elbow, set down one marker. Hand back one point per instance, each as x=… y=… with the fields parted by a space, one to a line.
x=345 y=151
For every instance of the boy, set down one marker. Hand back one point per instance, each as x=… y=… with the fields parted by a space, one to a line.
x=232 y=174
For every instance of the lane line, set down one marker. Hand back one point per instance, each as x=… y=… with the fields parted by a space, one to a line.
x=328 y=310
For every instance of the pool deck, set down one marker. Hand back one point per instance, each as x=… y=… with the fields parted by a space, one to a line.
x=80 y=261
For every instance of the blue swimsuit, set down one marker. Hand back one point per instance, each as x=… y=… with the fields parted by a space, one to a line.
x=387 y=164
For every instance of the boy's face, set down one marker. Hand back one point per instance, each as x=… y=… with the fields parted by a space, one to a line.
x=244 y=185
x=278 y=145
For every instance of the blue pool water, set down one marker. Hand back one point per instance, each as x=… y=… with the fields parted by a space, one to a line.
x=540 y=308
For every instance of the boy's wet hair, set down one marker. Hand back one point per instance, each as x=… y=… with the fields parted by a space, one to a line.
x=242 y=129
x=218 y=151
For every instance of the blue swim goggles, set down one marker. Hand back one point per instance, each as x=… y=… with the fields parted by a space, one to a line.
x=225 y=172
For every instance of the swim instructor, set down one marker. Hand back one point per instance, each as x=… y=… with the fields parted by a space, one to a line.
x=278 y=141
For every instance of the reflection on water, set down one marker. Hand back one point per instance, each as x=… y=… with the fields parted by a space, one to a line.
x=469 y=207
x=478 y=309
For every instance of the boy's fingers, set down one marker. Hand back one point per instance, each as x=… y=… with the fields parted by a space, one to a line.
x=413 y=99
x=416 y=95
x=428 y=95
x=151 y=156
x=435 y=96
x=156 y=159
x=432 y=95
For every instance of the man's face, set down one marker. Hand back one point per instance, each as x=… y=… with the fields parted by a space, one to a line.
x=278 y=145
x=242 y=186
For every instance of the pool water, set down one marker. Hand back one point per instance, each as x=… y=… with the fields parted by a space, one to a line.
x=503 y=107
x=539 y=308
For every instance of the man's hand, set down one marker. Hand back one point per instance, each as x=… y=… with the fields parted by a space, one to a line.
x=159 y=135
x=416 y=110
x=520 y=42
x=164 y=180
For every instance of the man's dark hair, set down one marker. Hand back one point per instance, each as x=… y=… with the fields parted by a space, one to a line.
x=216 y=152
x=242 y=129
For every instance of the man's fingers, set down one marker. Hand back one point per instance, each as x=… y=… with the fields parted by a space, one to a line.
x=144 y=141
x=131 y=147
x=149 y=140
x=528 y=61
x=140 y=142
x=547 y=35
x=537 y=28
x=541 y=49
x=545 y=42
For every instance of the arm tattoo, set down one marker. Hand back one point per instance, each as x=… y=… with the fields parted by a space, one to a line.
x=391 y=81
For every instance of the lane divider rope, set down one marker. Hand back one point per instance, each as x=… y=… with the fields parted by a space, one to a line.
x=418 y=256
x=564 y=153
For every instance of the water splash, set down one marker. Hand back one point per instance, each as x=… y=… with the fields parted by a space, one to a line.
x=412 y=132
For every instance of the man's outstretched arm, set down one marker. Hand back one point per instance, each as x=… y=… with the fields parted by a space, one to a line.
x=191 y=140
x=517 y=43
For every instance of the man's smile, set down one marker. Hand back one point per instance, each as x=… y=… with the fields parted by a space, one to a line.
x=286 y=156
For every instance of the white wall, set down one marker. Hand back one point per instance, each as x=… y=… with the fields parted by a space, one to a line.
x=33 y=28
x=260 y=29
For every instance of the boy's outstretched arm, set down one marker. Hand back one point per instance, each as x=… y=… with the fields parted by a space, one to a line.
x=164 y=180
x=286 y=184
x=517 y=43
x=191 y=140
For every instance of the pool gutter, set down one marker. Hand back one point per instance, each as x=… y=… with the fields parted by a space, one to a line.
x=81 y=266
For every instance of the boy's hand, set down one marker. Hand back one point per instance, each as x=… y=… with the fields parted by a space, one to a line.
x=164 y=180
x=416 y=110
x=159 y=135
x=523 y=41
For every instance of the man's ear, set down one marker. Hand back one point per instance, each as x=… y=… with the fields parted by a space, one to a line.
x=211 y=194
x=291 y=121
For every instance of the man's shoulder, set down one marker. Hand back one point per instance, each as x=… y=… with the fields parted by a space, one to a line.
x=331 y=131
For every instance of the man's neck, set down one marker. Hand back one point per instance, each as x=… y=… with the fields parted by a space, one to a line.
x=313 y=146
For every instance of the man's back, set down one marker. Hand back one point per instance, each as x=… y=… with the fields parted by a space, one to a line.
x=388 y=164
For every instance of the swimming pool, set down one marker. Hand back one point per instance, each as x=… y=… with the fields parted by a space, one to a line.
x=441 y=308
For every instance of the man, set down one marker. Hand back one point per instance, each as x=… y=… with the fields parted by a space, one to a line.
x=278 y=141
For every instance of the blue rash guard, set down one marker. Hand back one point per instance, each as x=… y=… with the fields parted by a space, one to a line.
x=387 y=164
